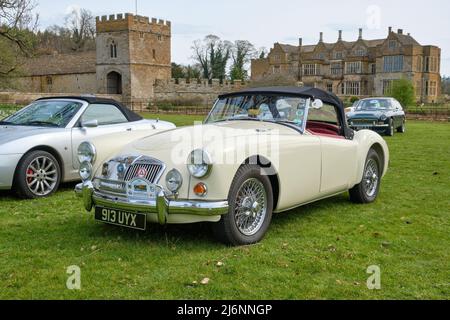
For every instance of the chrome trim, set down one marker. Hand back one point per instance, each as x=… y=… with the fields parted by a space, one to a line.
x=162 y=206
x=144 y=160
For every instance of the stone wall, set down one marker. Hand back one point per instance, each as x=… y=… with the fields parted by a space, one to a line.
x=203 y=91
x=83 y=83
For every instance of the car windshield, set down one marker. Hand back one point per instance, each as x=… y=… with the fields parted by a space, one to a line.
x=269 y=108
x=374 y=104
x=45 y=114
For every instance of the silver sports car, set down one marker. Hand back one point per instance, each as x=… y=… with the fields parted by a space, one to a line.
x=38 y=144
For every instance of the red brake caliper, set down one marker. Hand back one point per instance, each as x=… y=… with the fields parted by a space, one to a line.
x=29 y=173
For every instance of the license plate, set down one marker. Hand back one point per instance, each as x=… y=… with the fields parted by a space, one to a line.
x=132 y=220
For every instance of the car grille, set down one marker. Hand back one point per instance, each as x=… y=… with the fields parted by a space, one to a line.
x=115 y=183
x=364 y=122
x=143 y=169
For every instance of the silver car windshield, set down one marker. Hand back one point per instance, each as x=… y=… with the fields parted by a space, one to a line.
x=374 y=104
x=45 y=114
x=282 y=109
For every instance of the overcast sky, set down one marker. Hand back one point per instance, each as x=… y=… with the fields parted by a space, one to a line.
x=264 y=22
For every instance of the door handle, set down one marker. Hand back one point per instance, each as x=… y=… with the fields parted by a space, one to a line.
x=130 y=129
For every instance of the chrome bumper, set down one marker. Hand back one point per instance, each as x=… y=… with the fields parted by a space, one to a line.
x=162 y=206
x=362 y=126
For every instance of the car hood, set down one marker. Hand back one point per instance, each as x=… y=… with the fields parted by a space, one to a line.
x=210 y=132
x=11 y=133
x=365 y=114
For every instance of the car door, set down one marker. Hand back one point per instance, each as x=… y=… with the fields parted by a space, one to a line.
x=109 y=118
x=338 y=154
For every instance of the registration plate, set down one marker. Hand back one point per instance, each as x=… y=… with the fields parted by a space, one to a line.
x=132 y=220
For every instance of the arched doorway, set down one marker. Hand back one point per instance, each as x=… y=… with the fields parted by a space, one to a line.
x=114 y=83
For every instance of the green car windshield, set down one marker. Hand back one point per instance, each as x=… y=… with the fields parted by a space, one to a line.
x=374 y=104
x=268 y=108
x=45 y=114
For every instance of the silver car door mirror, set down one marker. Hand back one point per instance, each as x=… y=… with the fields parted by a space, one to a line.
x=90 y=124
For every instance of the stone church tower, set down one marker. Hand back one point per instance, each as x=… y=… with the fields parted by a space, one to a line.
x=132 y=53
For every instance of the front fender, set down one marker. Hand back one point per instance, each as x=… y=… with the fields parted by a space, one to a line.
x=366 y=140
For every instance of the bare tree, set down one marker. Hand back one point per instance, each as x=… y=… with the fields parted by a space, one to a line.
x=212 y=54
x=81 y=24
x=16 y=22
x=241 y=53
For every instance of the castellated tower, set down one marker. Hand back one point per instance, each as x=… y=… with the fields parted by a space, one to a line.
x=132 y=53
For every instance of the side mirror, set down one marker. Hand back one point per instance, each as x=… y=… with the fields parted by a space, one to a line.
x=317 y=104
x=89 y=124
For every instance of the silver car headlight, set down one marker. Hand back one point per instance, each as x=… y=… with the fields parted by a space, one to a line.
x=86 y=171
x=199 y=163
x=87 y=152
x=174 y=180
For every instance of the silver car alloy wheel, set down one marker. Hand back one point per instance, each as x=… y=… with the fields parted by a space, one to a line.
x=41 y=176
x=371 y=178
x=250 y=207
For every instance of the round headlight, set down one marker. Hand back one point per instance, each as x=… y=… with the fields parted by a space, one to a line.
x=383 y=118
x=87 y=152
x=199 y=163
x=86 y=171
x=174 y=180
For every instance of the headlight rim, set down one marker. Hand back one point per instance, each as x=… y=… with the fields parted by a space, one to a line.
x=90 y=167
x=93 y=149
x=180 y=180
x=207 y=161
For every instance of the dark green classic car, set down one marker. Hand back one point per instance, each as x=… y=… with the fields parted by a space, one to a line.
x=383 y=115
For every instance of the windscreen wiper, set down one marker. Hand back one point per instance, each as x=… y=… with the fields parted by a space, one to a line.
x=40 y=123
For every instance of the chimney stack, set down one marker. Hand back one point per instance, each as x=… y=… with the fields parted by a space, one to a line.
x=400 y=31
x=340 y=35
x=390 y=30
x=360 y=33
x=300 y=42
x=321 y=37
x=409 y=34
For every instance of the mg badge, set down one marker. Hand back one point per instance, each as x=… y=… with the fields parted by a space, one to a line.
x=142 y=172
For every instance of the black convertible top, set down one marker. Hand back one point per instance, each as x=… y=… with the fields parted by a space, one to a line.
x=130 y=115
x=305 y=92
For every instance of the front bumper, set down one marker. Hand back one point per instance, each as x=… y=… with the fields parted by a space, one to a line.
x=161 y=210
x=8 y=165
x=374 y=127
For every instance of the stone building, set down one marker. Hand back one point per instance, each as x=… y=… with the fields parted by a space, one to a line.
x=358 y=68
x=132 y=53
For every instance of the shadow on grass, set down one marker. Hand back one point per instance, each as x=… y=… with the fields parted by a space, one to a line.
x=12 y=195
x=192 y=235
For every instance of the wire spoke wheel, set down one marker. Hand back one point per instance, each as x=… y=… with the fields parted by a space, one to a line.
x=41 y=176
x=371 y=178
x=250 y=207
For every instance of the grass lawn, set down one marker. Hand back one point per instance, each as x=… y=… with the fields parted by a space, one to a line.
x=320 y=251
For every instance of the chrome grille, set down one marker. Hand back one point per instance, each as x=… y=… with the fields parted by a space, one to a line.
x=368 y=122
x=149 y=171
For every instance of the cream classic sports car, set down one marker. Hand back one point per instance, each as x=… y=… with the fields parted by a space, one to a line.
x=260 y=151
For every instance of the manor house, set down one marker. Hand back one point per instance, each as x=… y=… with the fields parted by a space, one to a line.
x=357 y=68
